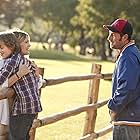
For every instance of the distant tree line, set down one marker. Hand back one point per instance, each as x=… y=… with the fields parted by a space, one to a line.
x=75 y=22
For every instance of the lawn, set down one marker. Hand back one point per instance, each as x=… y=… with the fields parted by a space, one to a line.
x=69 y=95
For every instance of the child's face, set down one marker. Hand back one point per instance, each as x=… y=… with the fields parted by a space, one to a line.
x=25 y=45
x=5 y=51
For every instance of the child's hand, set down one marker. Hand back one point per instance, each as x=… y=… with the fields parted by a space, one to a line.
x=35 y=68
x=23 y=70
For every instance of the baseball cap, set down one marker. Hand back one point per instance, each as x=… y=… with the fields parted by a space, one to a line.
x=120 y=26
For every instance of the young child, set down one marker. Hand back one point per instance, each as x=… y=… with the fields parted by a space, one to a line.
x=27 y=102
x=6 y=92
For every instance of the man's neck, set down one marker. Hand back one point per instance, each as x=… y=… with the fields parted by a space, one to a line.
x=126 y=45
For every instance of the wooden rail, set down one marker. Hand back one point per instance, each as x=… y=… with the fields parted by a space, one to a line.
x=90 y=109
x=60 y=116
x=60 y=80
x=98 y=134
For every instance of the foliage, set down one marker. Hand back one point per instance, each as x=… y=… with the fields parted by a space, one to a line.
x=10 y=11
x=69 y=21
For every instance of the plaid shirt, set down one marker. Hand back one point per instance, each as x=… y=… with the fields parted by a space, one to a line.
x=27 y=100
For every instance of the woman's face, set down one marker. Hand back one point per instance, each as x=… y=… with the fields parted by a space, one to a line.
x=25 y=45
x=5 y=51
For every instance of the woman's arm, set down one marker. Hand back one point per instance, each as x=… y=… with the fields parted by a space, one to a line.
x=6 y=93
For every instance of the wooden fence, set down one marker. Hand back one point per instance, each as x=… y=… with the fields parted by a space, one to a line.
x=90 y=108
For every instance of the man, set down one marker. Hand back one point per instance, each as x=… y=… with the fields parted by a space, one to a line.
x=125 y=102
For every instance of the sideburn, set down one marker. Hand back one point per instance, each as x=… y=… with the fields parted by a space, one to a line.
x=121 y=35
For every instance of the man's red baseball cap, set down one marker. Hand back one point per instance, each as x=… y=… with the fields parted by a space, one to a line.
x=120 y=26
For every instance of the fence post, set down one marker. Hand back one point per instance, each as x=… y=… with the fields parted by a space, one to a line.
x=92 y=99
x=33 y=130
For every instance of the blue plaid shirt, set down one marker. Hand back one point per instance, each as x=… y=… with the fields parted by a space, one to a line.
x=27 y=100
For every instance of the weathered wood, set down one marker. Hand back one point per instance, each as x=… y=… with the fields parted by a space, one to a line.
x=126 y=123
x=92 y=98
x=107 y=76
x=93 y=105
x=59 y=80
x=98 y=134
x=60 y=116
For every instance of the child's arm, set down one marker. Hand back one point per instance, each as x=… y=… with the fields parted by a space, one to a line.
x=6 y=92
x=23 y=70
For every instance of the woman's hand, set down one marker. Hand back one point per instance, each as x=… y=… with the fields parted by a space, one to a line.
x=6 y=93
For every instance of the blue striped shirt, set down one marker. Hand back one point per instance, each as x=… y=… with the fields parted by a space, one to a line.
x=27 y=99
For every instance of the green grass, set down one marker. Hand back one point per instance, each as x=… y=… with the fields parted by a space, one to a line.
x=69 y=95
x=59 y=55
x=69 y=54
x=55 y=55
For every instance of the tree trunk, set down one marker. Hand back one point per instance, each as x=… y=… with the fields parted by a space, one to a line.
x=82 y=50
x=82 y=43
x=103 y=49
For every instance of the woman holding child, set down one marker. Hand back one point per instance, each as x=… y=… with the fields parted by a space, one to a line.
x=26 y=103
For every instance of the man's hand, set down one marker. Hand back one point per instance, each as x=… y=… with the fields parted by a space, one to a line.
x=112 y=115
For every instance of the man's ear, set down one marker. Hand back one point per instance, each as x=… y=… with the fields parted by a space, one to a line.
x=125 y=37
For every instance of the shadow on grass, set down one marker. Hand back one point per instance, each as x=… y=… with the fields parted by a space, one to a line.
x=57 y=55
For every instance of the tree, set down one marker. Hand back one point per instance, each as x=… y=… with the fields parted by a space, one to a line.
x=59 y=13
x=10 y=11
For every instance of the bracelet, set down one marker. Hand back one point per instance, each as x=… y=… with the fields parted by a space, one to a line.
x=17 y=76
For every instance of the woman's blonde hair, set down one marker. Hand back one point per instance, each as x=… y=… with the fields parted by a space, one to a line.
x=20 y=34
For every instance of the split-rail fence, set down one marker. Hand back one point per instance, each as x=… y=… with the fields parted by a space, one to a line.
x=90 y=109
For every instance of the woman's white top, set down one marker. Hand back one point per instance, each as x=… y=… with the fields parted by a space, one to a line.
x=4 y=106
